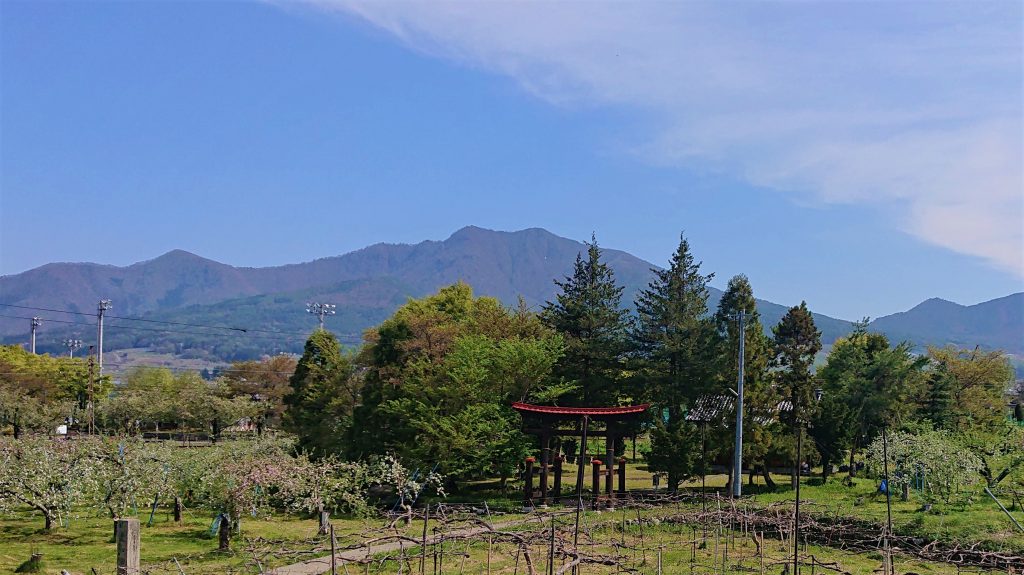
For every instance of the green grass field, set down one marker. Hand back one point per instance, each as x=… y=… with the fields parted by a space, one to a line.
x=86 y=542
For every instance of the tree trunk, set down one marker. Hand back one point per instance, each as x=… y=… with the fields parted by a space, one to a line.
x=826 y=467
x=673 y=482
x=225 y=532
x=853 y=451
x=177 y=509
x=48 y=520
x=768 y=481
x=905 y=495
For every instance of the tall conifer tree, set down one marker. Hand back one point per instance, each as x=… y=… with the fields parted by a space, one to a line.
x=589 y=316
x=318 y=377
x=797 y=341
x=675 y=350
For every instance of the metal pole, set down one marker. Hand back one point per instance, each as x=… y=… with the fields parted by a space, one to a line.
x=888 y=497
x=737 y=480
x=36 y=322
x=796 y=514
x=999 y=503
x=101 y=308
x=703 y=468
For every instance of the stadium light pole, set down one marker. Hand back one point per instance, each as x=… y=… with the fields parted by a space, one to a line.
x=72 y=345
x=320 y=310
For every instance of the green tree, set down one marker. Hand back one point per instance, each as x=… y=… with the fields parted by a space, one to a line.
x=797 y=341
x=868 y=386
x=438 y=378
x=972 y=387
x=760 y=398
x=38 y=392
x=266 y=383
x=675 y=352
x=589 y=316
x=967 y=395
x=311 y=405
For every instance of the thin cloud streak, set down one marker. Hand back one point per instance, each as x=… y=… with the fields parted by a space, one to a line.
x=914 y=108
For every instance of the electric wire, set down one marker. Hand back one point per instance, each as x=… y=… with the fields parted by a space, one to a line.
x=148 y=320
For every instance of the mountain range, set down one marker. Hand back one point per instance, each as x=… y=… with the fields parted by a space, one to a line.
x=261 y=310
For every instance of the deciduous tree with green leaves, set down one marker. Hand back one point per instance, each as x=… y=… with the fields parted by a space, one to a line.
x=439 y=378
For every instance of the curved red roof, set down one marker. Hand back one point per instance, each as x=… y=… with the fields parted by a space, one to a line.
x=580 y=411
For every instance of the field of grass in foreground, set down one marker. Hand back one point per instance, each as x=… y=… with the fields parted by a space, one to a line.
x=87 y=542
x=280 y=540
x=980 y=522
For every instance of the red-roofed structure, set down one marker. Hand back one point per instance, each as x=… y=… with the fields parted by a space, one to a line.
x=576 y=412
x=547 y=421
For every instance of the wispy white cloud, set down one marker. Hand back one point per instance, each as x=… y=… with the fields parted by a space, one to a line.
x=913 y=107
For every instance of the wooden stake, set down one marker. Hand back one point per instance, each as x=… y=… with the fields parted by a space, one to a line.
x=334 y=559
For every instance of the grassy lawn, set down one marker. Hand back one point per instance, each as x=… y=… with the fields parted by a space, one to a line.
x=283 y=539
x=87 y=543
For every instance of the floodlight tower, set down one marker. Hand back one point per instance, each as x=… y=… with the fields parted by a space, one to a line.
x=36 y=322
x=320 y=310
x=101 y=308
x=72 y=345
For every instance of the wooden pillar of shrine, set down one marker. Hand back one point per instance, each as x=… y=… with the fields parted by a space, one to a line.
x=545 y=460
x=622 y=476
x=609 y=468
x=558 y=478
x=528 y=484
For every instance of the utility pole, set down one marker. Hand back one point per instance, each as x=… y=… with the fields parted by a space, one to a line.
x=91 y=411
x=737 y=463
x=36 y=322
x=320 y=310
x=72 y=345
x=101 y=308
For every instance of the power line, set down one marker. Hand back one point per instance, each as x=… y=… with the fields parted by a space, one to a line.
x=165 y=322
x=137 y=328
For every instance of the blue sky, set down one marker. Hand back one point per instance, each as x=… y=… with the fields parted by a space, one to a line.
x=861 y=156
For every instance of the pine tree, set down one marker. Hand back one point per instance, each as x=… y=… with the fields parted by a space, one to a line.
x=760 y=399
x=318 y=377
x=588 y=315
x=797 y=341
x=675 y=355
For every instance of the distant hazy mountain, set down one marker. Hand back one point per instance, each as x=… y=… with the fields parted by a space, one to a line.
x=995 y=324
x=367 y=285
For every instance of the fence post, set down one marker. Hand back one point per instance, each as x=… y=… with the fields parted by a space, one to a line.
x=127 y=537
